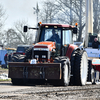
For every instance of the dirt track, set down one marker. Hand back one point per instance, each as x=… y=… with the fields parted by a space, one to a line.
x=48 y=92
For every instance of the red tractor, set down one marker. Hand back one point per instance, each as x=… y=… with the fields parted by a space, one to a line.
x=57 y=59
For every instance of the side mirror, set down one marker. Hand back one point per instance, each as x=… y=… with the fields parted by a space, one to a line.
x=75 y=30
x=25 y=28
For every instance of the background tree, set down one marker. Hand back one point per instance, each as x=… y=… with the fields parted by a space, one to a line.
x=59 y=11
x=16 y=36
x=96 y=10
x=11 y=38
x=72 y=11
x=48 y=11
x=24 y=37
x=2 y=16
x=65 y=11
x=2 y=20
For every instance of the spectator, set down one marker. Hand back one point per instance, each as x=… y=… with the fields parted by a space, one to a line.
x=5 y=58
x=95 y=43
x=9 y=57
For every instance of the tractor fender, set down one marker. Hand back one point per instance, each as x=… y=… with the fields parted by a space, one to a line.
x=71 y=52
x=71 y=49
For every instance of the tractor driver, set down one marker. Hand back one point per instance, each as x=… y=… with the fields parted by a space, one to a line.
x=55 y=37
x=95 y=43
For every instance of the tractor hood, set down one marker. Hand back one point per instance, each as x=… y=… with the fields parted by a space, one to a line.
x=48 y=46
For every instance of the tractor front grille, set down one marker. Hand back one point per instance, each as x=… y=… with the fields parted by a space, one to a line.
x=42 y=55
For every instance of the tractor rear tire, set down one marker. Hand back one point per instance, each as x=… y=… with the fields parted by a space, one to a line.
x=66 y=69
x=80 y=68
x=19 y=58
x=28 y=53
x=91 y=73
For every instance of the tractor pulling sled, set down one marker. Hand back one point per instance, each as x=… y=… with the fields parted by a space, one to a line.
x=54 y=58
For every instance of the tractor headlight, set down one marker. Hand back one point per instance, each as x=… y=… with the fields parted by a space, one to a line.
x=41 y=49
x=43 y=56
x=36 y=56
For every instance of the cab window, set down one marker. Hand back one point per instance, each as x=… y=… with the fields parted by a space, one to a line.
x=51 y=34
x=67 y=37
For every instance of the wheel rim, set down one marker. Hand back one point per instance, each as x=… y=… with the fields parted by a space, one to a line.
x=84 y=68
x=92 y=75
x=66 y=74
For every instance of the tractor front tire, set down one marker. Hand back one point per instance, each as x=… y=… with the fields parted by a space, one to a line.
x=92 y=76
x=65 y=75
x=80 y=68
x=66 y=69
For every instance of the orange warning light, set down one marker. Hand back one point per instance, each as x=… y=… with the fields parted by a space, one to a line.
x=76 y=24
x=40 y=22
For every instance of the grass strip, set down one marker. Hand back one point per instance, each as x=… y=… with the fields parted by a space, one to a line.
x=2 y=80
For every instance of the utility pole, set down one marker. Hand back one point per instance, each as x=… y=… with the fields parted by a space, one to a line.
x=89 y=21
x=70 y=12
x=36 y=11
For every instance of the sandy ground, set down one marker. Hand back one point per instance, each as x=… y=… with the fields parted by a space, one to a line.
x=46 y=92
x=3 y=74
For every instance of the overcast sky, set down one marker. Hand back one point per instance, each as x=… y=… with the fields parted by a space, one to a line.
x=19 y=10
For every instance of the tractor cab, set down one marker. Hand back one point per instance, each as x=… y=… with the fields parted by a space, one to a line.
x=53 y=40
x=59 y=33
